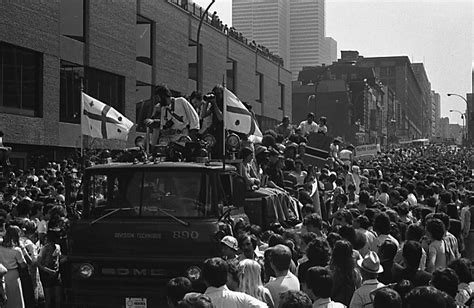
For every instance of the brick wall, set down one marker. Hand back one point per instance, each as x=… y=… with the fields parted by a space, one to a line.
x=110 y=46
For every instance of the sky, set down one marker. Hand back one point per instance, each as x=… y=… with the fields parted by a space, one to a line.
x=438 y=33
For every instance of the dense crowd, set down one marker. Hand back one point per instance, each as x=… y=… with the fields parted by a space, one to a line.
x=396 y=230
x=393 y=231
x=33 y=223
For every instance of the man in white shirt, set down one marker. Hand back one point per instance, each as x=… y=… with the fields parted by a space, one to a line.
x=370 y=269
x=177 y=117
x=308 y=126
x=280 y=256
x=215 y=274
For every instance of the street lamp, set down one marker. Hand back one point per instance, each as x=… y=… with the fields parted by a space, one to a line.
x=463 y=116
x=198 y=50
x=467 y=107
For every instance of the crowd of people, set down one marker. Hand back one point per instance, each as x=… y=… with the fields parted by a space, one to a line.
x=393 y=231
x=33 y=221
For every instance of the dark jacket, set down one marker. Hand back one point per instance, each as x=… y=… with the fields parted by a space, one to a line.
x=417 y=277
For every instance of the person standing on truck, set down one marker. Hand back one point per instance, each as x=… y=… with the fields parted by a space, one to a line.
x=178 y=118
x=308 y=126
x=215 y=272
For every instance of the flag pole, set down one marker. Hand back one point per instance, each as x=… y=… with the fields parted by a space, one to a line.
x=82 y=119
x=224 y=111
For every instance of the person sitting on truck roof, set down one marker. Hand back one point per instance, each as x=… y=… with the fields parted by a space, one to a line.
x=251 y=179
x=215 y=272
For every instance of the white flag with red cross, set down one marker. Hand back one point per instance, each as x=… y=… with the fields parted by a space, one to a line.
x=103 y=121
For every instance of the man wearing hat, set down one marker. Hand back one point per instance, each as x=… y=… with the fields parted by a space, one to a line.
x=347 y=155
x=229 y=248
x=308 y=126
x=370 y=269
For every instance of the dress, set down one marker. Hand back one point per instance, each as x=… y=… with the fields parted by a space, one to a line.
x=10 y=258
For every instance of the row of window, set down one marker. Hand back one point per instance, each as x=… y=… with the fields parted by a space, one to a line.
x=20 y=84
x=72 y=25
x=105 y=86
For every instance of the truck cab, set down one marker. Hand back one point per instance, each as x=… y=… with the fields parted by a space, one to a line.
x=143 y=224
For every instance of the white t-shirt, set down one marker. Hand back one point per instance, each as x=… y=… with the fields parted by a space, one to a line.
x=307 y=128
x=42 y=226
x=222 y=297
x=181 y=112
x=282 y=284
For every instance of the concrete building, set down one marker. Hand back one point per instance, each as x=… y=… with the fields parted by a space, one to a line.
x=455 y=133
x=470 y=119
x=396 y=72
x=444 y=132
x=307 y=34
x=293 y=29
x=266 y=22
x=330 y=54
x=351 y=98
x=424 y=82
x=118 y=52
x=436 y=114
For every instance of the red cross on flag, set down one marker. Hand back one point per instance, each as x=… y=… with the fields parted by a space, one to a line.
x=239 y=119
x=102 y=121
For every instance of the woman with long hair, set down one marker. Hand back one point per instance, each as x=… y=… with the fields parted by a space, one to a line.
x=250 y=281
x=11 y=256
x=346 y=276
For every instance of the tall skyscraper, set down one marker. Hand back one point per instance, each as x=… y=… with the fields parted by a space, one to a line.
x=293 y=29
x=267 y=22
x=307 y=43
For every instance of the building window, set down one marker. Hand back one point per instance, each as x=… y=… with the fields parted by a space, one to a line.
x=259 y=81
x=144 y=40
x=104 y=86
x=391 y=71
x=144 y=106
x=107 y=87
x=70 y=92
x=192 y=65
x=282 y=96
x=230 y=75
x=72 y=19
x=20 y=80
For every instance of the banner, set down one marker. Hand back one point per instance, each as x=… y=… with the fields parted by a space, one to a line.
x=367 y=150
x=99 y=120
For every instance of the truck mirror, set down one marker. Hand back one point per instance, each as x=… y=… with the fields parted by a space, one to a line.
x=238 y=191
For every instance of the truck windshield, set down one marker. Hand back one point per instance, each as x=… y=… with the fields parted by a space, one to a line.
x=148 y=193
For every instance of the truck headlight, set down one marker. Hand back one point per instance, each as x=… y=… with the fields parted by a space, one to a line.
x=86 y=270
x=193 y=273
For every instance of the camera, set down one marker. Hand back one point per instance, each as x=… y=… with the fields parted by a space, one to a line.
x=168 y=124
x=209 y=96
